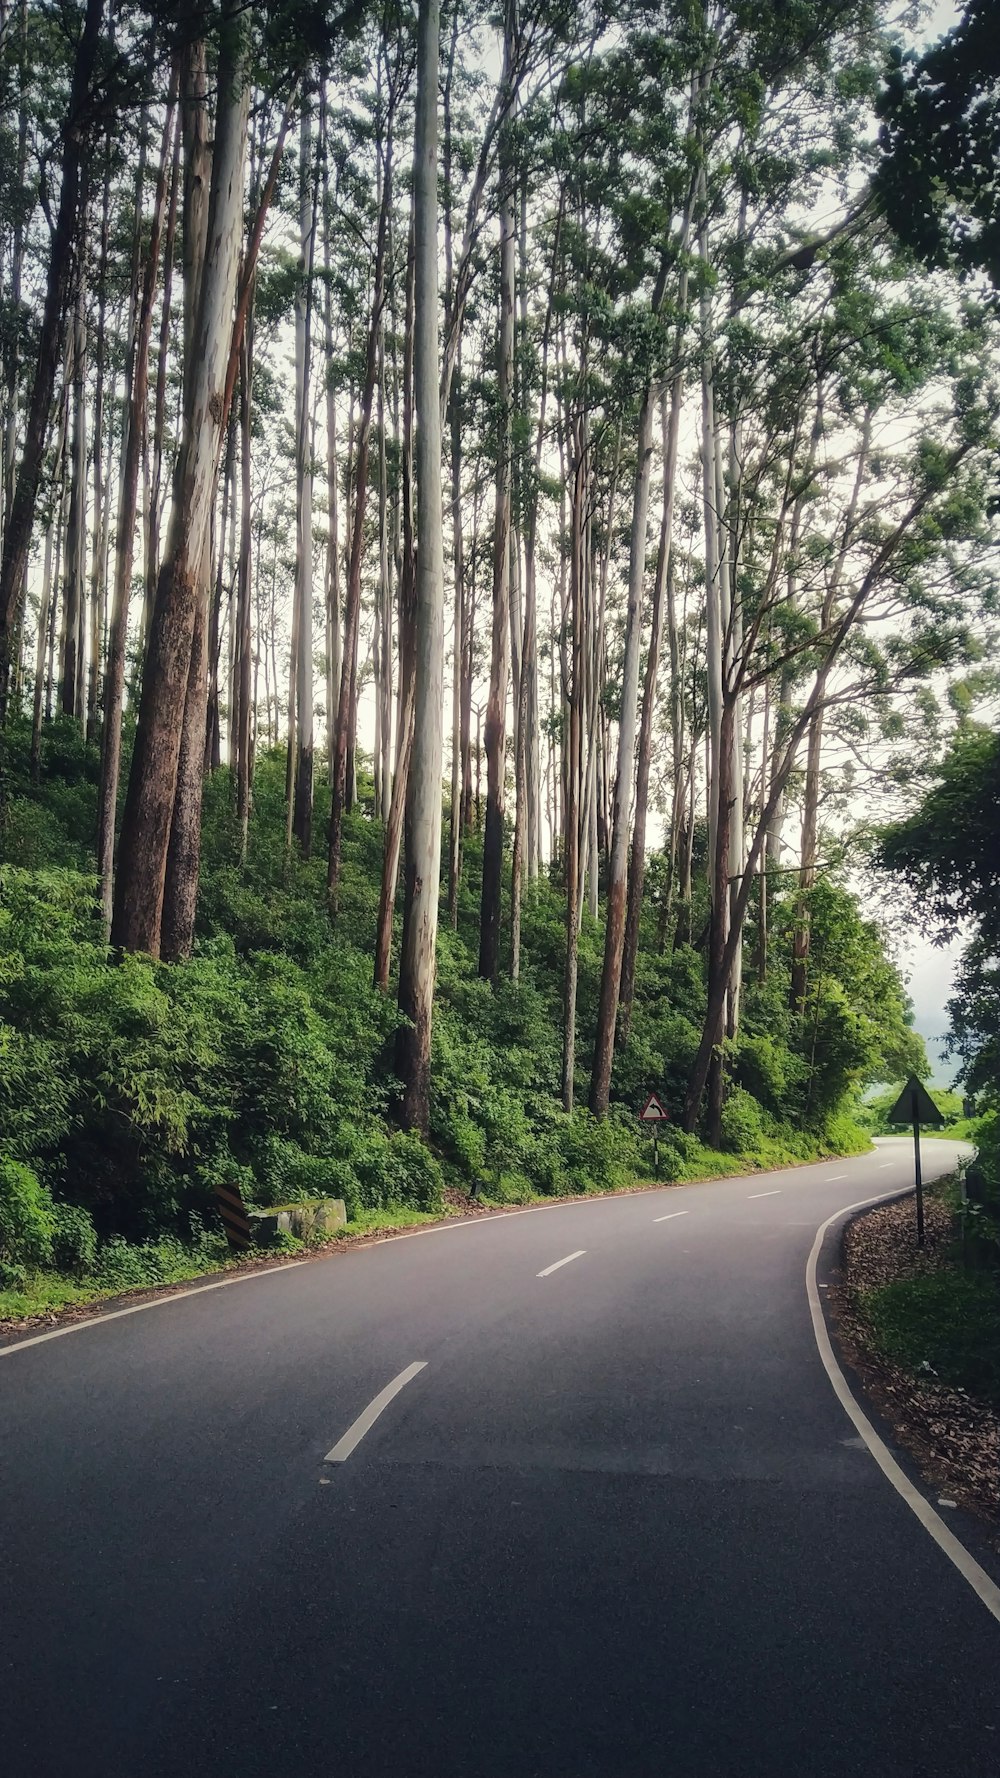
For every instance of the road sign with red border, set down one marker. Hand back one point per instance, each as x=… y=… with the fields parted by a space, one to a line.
x=653 y=1112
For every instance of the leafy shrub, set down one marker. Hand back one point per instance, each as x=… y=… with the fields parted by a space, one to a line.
x=742 y=1123
x=510 y=1188
x=122 y=1266
x=74 y=1239
x=27 y=1221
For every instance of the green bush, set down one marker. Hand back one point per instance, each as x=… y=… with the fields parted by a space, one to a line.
x=74 y=1239
x=27 y=1220
x=743 y=1129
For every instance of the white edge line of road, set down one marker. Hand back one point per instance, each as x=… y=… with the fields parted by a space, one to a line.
x=157 y=1302
x=970 y=1570
x=561 y=1262
x=364 y=1422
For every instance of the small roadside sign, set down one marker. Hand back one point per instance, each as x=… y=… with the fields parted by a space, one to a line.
x=915 y=1106
x=653 y=1112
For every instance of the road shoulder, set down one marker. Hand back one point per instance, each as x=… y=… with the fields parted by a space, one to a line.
x=864 y=1381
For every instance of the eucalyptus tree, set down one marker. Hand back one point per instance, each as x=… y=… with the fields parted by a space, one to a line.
x=653 y=196
x=395 y=57
x=174 y=664
x=423 y=855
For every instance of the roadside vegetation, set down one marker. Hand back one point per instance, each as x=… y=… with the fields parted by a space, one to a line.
x=923 y=1328
x=467 y=549
x=129 y=1086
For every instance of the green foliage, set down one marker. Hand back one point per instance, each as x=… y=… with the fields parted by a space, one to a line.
x=946 y=852
x=74 y=1239
x=27 y=1224
x=129 y=1089
x=742 y=1123
x=946 y=1321
x=936 y=180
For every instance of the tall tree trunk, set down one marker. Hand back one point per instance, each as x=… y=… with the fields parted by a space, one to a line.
x=75 y=596
x=349 y=669
x=45 y=609
x=180 y=894
x=244 y=709
x=213 y=714
x=153 y=779
x=303 y=482
x=64 y=265
x=423 y=803
x=332 y=577
x=614 y=930
x=20 y=220
x=496 y=705
x=571 y=843
x=637 y=862
x=458 y=650
x=98 y=569
x=114 y=677
x=392 y=839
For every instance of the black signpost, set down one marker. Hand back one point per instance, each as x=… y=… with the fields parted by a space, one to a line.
x=915 y=1106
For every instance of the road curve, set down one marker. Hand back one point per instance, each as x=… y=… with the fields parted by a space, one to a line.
x=558 y=1495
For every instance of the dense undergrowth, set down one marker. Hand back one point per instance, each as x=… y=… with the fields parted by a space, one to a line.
x=128 y=1088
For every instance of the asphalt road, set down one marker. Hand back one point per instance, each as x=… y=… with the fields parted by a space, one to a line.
x=618 y=1525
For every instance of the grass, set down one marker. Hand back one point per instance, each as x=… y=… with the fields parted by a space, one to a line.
x=962 y=1130
x=948 y=1321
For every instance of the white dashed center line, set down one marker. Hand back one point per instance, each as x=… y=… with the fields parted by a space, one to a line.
x=775 y=1194
x=561 y=1262
x=364 y=1422
x=670 y=1218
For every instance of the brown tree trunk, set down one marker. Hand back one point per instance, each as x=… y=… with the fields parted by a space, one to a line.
x=75 y=586
x=153 y=779
x=180 y=897
x=114 y=677
x=98 y=568
x=614 y=930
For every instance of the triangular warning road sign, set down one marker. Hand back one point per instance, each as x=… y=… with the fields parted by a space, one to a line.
x=653 y=1112
x=915 y=1105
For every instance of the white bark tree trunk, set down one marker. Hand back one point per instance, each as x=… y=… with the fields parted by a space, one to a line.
x=423 y=863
